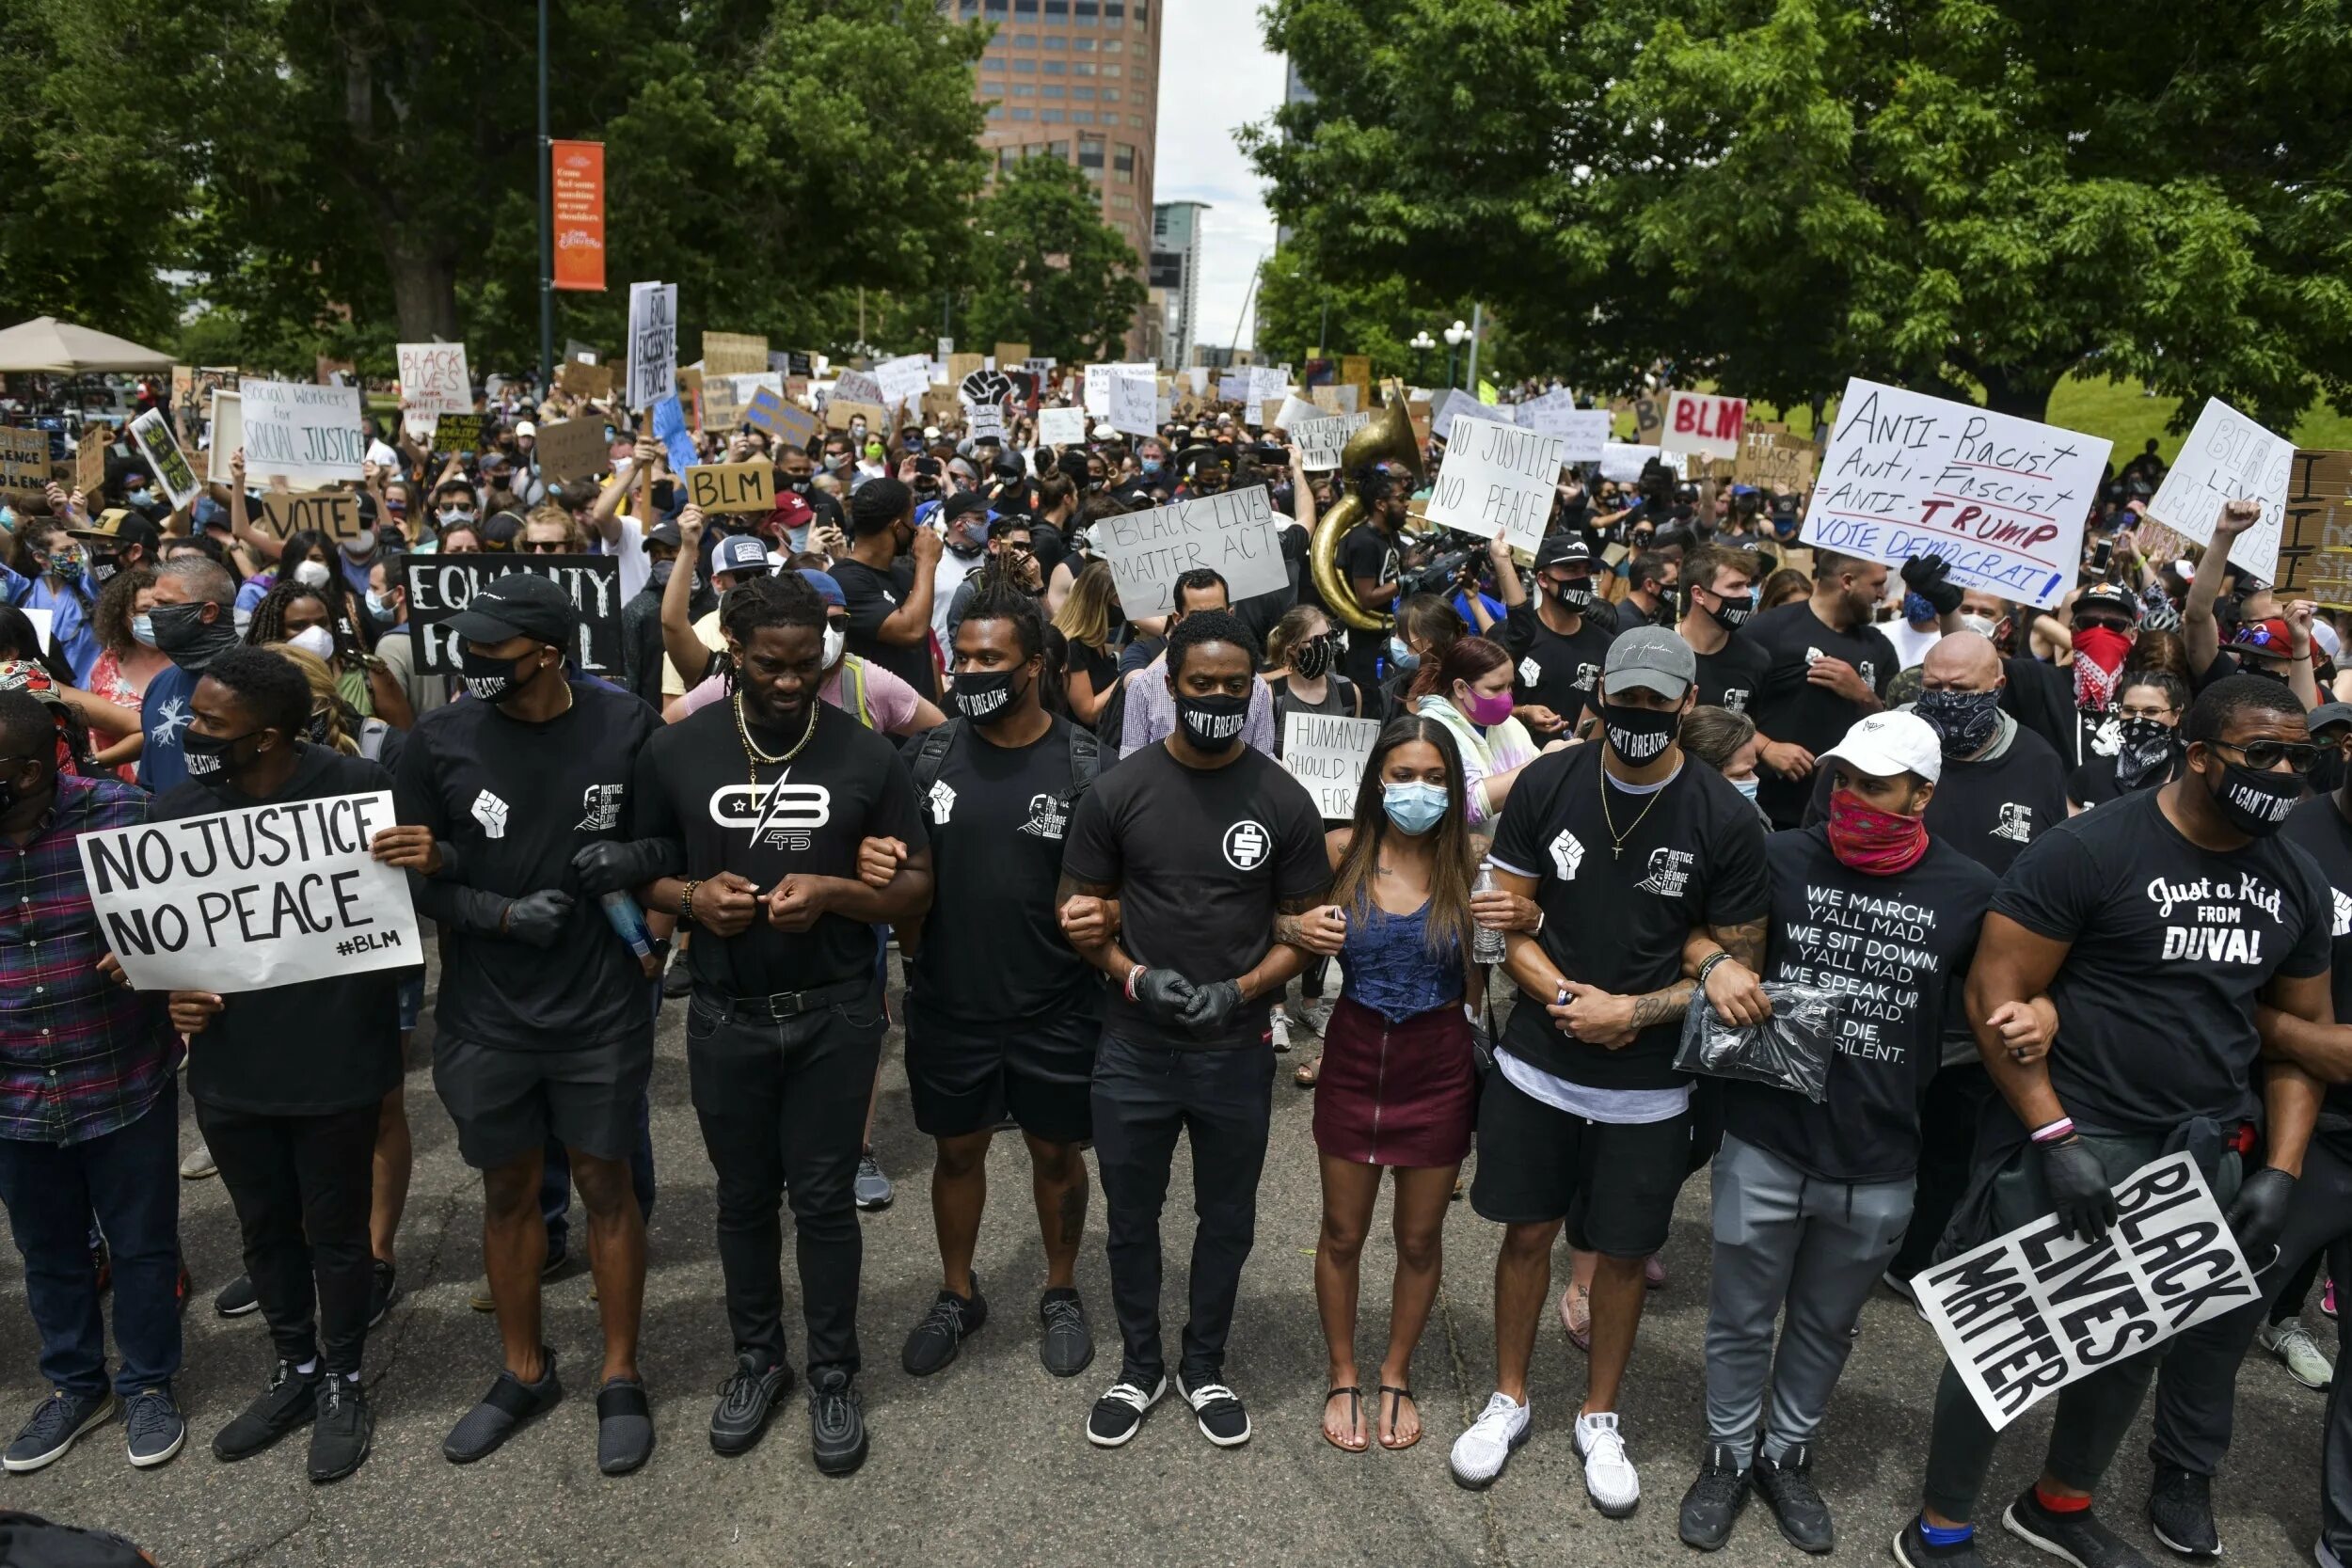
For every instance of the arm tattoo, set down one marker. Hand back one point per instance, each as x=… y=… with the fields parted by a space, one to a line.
x=1659 y=1006
x=1288 y=914
x=1745 y=942
x=1072 y=888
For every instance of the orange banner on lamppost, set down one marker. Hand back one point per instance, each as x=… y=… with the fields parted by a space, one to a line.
x=579 y=196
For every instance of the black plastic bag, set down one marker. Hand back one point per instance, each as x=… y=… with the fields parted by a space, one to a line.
x=1791 y=1050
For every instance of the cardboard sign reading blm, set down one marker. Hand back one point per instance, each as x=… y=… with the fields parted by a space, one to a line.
x=308 y=435
x=732 y=486
x=1497 y=480
x=2028 y=1313
x=2228 y=457
x=1699 y=422
x=1327 y=753
x=441 y=585
x=1321 y=441
x=1234 y=532
x=2001 y=500
x=244 y=900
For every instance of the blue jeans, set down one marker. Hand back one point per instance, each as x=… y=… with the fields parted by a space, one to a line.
x=130 y=1179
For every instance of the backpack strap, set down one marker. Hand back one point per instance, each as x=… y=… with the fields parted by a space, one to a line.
x=930 y=755
x=1085 y=762
x=854 y=668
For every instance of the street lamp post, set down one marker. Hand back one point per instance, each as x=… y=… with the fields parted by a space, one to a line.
x=1420 y=345
x=1455 y=335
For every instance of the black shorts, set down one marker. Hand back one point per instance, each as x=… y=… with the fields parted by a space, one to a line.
x=1614 y=1183
x=968 y=1079
x=508 y=1103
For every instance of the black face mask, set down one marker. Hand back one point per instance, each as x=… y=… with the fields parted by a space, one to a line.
x=1639 y=736
x=1731 y=613
x=494 y=680
x=1213 y=724
x=2256 y=804
x=211 y=759
x=1576 y=593
x=985 y=696
x=1311 y=658
x=2149 y=745
x=180 y=631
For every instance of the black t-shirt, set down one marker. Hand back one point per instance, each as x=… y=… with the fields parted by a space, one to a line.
x=1899 y=947
x=874 y=597
x=993 y=953
x=1101 y=669
x=518 y=801
x=1729 y=677
x=1200 y=857
x=1990 y=810
x=1786 y=706
x=2318 y=826
x=1561 y=674
x=2171 y=945
x=1367 y=555
x=1693 y=855
x=2041 y=697
x=315 y=1047
x=2094 y=782
x=847 y=784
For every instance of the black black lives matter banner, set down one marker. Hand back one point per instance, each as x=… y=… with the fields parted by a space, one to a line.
x=441 y=585
x=2027 y=1314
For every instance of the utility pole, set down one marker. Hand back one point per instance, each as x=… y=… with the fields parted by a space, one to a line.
x=1478 y=323
x=547 y=222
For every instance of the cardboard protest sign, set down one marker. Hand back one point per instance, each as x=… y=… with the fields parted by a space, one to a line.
x=1232 y=388
x=89 y=461
x=2228 y=457
x=24 y=461
x=1705 y=424
x=1649 y=417
x=677 y=442
x=1773 y=460
x=228 y=436
x=857 y=387
x=1356 y=371
x=152 y=433
x=457 y=433
x=732 y=486
x=441 y=585
x=1234 y=532
x=652 y=343
x=1328 y=753
x=963 y=367
x=734 y=354
x=2000 y=500
x=1061 y=427
x=722 y=409
x=246 y=900
x=333 y=513
x=787 y=424
x=2028 y=1313
x=1134 y=405
x=1335 y=400
x=1010 y=355
x=308 y=435
x=1321 y=441
x=573 y=449
x=587 y=381
x=433 y=380
x=839 y=411
x=2314 y=552
x=1497 y=480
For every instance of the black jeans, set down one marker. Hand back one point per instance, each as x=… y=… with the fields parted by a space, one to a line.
x=784 y=1102
x=1947 y=1141
x=301 y=1186
x=1144 y=1095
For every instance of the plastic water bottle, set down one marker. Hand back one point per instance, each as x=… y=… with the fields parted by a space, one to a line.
x=629 y=920
x=1486 y=945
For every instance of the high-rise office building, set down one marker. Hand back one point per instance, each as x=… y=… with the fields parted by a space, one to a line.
x=1176 y=277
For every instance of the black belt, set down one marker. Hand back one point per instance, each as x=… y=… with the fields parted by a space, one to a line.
x=775 y=1008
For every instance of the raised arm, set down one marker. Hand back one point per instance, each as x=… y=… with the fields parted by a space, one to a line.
x=2199 y=629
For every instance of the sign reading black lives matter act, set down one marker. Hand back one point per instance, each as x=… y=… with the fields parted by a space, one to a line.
x=441 y=585
x=246 y=900
x=2027 y=1314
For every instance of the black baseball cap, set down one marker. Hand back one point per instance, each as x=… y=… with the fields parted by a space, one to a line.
x=518 y=605
x=2111 y=596
x=1562 y=549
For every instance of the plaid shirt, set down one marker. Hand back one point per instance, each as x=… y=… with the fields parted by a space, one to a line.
x=80 y=1056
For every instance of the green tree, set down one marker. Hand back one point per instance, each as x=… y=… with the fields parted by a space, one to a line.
x=1377 y=318
x=1046 y=270
x=1965 y=196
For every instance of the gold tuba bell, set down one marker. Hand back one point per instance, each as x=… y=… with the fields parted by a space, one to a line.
x=1390 y=436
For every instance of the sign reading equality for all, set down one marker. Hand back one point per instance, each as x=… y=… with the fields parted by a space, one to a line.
x=1499 y=481
x=441 y=585
x=1234 y=532
x=308 y=435
x=247 y=899
x=1327 y=752
x=2030 y=1312
x=2228 y=457
x=652 y=343
x=2001 y=500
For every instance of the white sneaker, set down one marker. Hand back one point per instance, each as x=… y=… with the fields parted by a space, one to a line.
x=198 y=1164
x=1610 y=1478
x=1481 y=1453
x=2305 y=1362
x=1312 y=1014
x=1282 y=1031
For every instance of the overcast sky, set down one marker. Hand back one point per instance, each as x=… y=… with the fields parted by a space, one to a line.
x=1214 y=76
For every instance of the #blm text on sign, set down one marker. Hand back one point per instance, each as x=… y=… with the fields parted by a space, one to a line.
x=2228 y=457
x=1327 y=753
x=1497 y=480
x=441 y=585
x=732 y=486
x=2000 y=500
x=1235 y=531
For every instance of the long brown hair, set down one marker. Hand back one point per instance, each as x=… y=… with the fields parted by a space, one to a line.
x=1086 y=614
x=1450 y=846
x=1464 y=661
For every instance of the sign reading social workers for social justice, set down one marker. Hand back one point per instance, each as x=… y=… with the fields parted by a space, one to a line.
x=2028 y=1313
x=1327 y=753
x=1498 y=480
x=441 y=585
x=2000 y=500
x=1234 y=532
x=308 y=435
x=2228 y=457
x=243 y=901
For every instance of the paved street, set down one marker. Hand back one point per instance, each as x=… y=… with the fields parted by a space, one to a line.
x=986 y=1464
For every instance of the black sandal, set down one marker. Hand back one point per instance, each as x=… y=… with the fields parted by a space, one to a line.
x=1354 y=1418
x=1396 y=1397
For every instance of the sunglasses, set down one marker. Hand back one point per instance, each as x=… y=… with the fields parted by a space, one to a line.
x=542 y=546
x=2101 y=624
x=2300 y=756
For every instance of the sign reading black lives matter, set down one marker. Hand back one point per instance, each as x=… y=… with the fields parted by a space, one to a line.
x=2027 y=1314
x=440 y=585
x=244 y=900
x=1233 y=531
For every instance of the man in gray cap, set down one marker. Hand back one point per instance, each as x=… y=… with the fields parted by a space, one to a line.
x=1585 y=1123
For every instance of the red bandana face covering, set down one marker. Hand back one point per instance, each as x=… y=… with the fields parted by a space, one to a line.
x=1875 y=843
x=2098 y=653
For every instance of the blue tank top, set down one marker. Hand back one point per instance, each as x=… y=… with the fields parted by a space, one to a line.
x=1390 y=969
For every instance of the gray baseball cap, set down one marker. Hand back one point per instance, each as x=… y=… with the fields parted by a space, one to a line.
x=1651 y=658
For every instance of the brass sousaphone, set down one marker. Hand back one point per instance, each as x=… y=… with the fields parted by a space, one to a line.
x=1392 y=437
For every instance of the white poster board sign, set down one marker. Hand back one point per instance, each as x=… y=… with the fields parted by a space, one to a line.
x=652 y=343
x=2228 y=457
x=2001 y=500
x=1455 y=401
x=433 y=380
x=1624 y=461
x=1135 y=404
x=1497 y=480
x=1702 y=423
x=1097 y=396
x=1582 y=432
x=244 y=900
x=1296 y=411
x=310 y=435
x=984 y=423
x=904 y=380
x=1327 y=752
x=2028 y=1313
x=1321 y=441
x=227 y=435
x=1234 y=532
x=1061 y=427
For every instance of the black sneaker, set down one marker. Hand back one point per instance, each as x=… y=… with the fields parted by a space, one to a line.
x=1912 y=1551
x=2077 y=1537
x=746 y=1399
x=836 y=1421
x=510 y=1402
x=1118 y=1413
x=1787 y=1487
x=237 y=1298
x=1066 y=1348
x=1713 y=1504
x=157 y=1429
x=291 y=1399
x=56 y=1425
x=1223 y=1421
x=624 y=1426
x=346 y=1427
x=677 y=977
x=2180 y=1511
x=383 y=1289
x=936 y=1340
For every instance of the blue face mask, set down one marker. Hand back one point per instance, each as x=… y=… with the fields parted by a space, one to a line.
x=143 y=628
x=1401 y=656
x=1916 y=609
x=1415 y=808
x=1151 y=465
x=1747 y=785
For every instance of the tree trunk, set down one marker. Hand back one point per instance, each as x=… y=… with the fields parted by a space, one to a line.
x=424 y=290
x=2022 y=391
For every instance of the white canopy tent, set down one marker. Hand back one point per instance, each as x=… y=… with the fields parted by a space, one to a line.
x=48 y=345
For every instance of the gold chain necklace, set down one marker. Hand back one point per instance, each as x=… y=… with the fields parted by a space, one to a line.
x=751 y=750
x=1616 y=839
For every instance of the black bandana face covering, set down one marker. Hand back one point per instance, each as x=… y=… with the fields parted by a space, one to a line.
x=1212 y=723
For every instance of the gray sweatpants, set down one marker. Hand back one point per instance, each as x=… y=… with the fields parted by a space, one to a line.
x=1820 y=1246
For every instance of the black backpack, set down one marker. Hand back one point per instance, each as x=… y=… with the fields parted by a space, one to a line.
x=932 y=746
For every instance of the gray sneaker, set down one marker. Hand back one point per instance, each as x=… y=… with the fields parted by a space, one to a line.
x=1067 y=1348
x=158 y=1431
x=872 y=1189
x=58 y=1422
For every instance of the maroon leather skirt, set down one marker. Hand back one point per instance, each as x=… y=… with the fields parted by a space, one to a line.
x=1396 y=1094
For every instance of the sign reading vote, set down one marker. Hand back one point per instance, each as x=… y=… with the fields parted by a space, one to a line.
x=441 y=585
x=333 y=513
x=1327 y=752
x=2028 y=1313
x=1233 y=531
x=2228 y=457
x=732 y=486
x=1699 y=422
x=309 y=435
x=2001 y=500
x=249 y=899
x=1497 y=480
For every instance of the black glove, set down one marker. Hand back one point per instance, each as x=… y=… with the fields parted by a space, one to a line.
x=538 y=918
x=2258 y=1215
x=2079 y=1190
x=1926 y=575
x=1163 y=994
x=1212 y=1007
x=609 y=865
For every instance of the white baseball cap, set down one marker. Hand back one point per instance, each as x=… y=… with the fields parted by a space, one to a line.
x=1885 y=744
